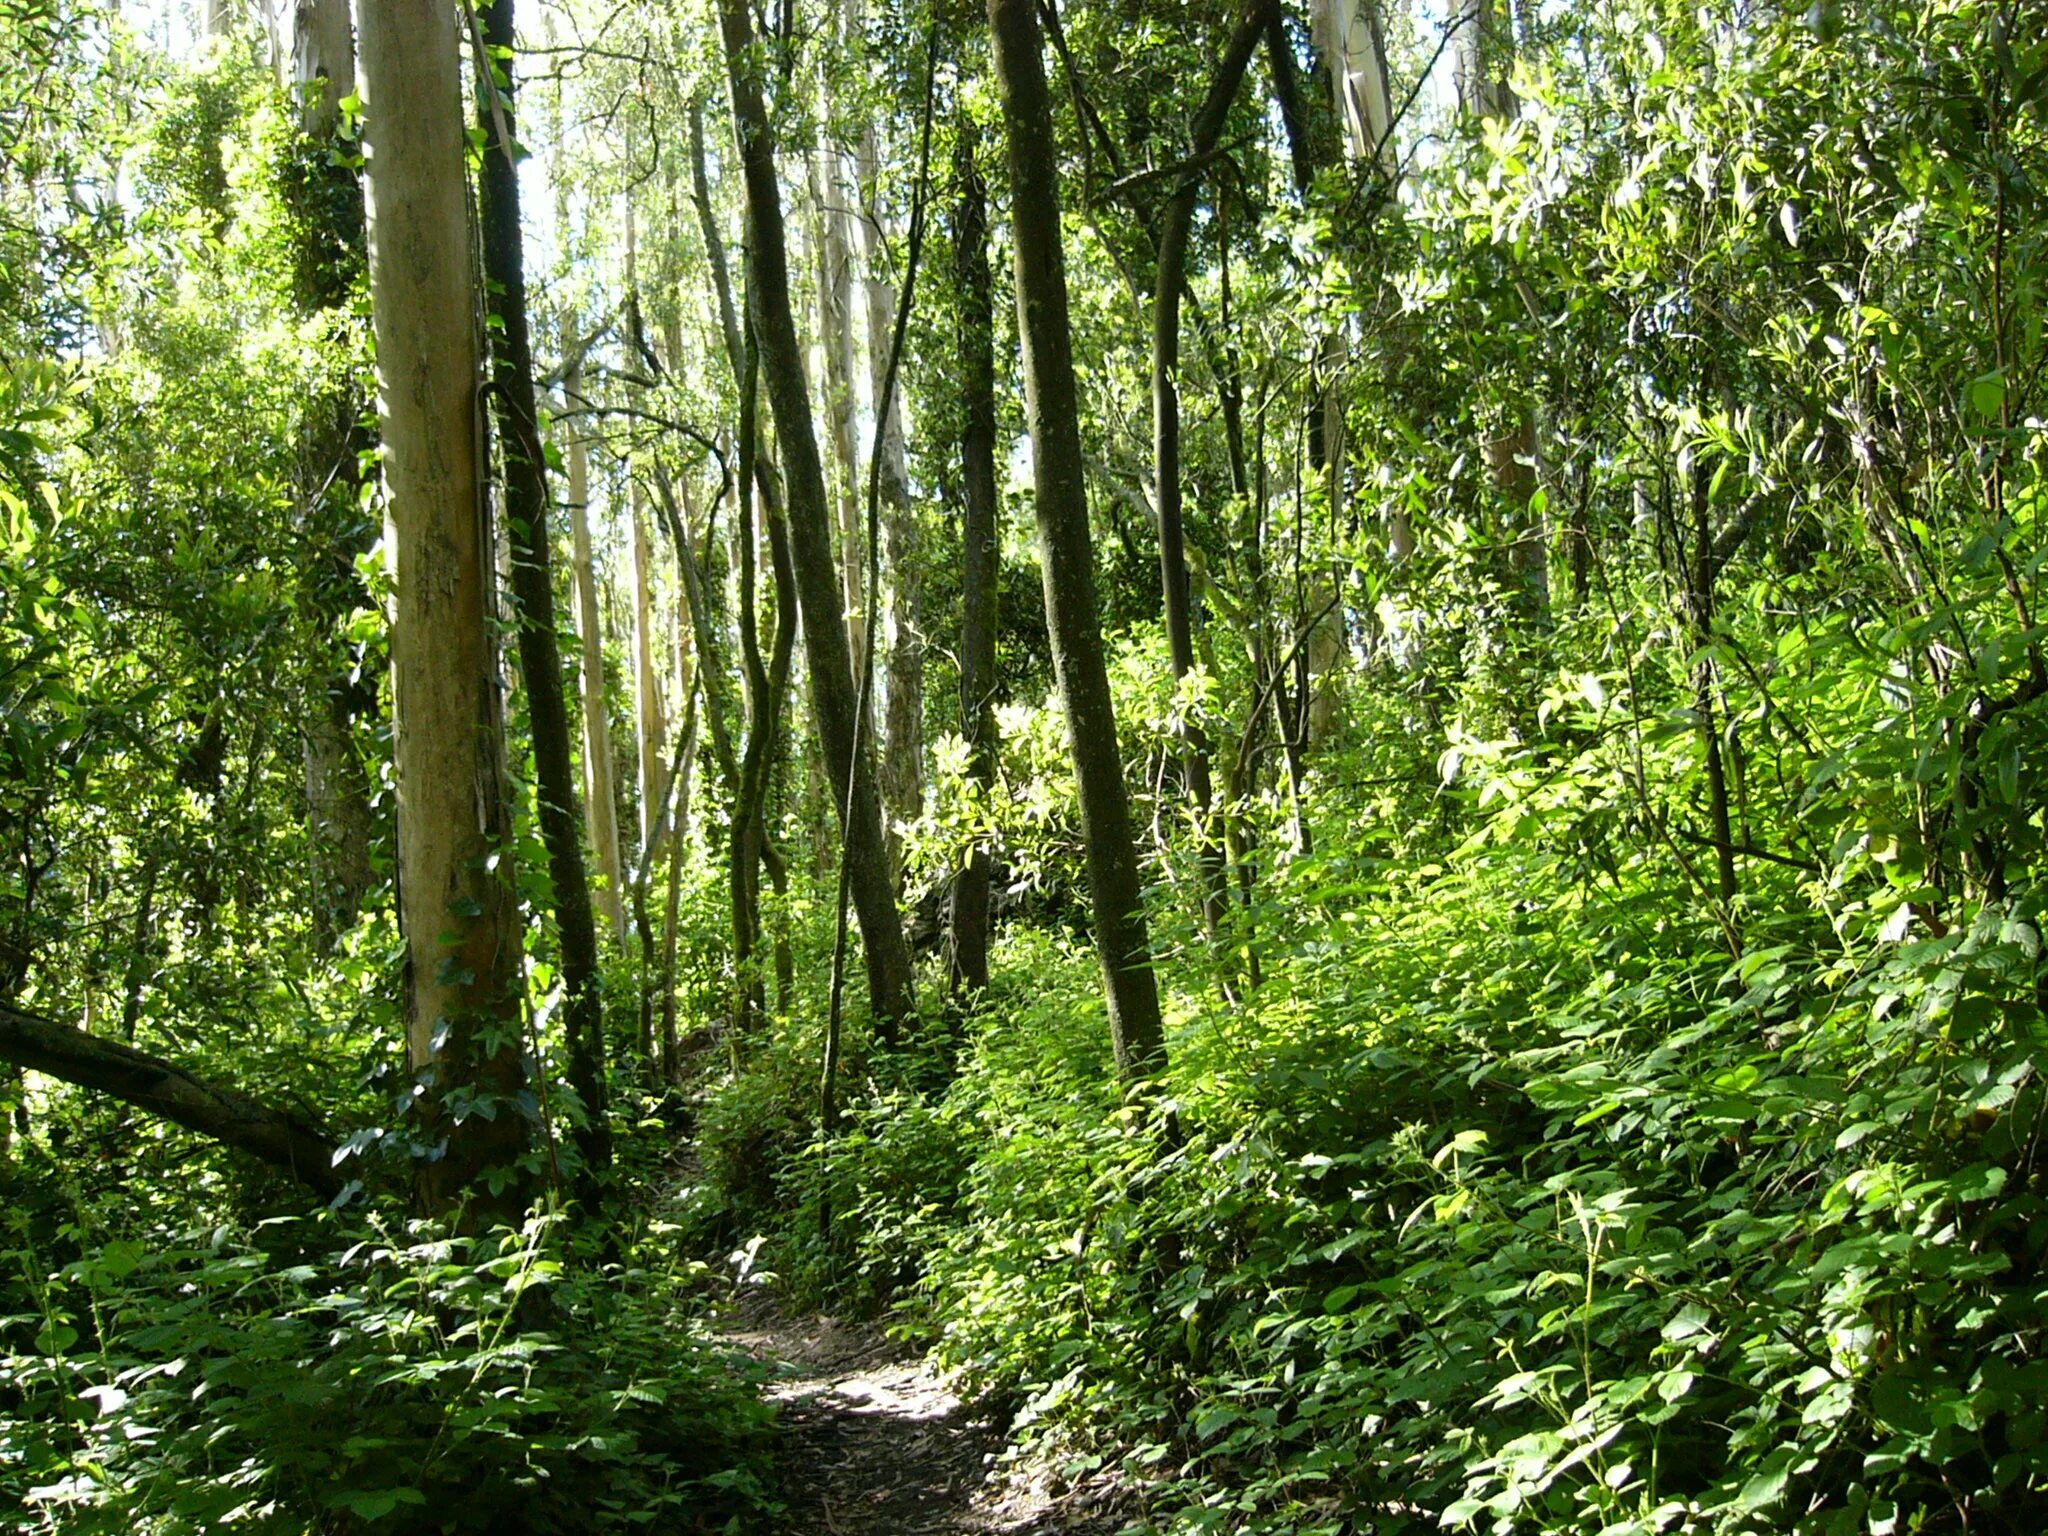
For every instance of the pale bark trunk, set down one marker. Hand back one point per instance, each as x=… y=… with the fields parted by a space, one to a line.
x=457 y=906
x=1484 y=49
x=903 y=678
x=323 y=64
x=1348 y=32
x=1052 y=415
x=600 y=800
x=652 y=724
x=842 y=405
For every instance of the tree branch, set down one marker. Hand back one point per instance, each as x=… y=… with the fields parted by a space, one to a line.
x=167 y=1090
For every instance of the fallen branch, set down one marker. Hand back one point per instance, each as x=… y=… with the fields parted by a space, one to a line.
x=165 y=1089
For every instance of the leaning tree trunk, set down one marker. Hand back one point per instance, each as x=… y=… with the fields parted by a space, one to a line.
x=969 y=940
x=458 y=909
x=848 y=757
x=1052 y=415
x=533 y=592
x=278 y=1137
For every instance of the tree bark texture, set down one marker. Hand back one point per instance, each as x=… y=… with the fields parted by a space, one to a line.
x=284 y=1140
x=533 y=590
x=842 y=404
x=1052 y=415
x=767 y=682
x=601 y=805
x=903 y=677
x=1348 y=33
x=834 y=702
x=980 y=539
x=457 y=905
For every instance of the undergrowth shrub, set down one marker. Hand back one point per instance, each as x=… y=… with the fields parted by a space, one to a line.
x=1506 y=1209
x=337 y=1374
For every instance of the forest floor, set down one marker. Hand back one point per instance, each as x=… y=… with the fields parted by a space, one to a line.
x=874 y=1442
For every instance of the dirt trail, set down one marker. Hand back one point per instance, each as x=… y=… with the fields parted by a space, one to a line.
x=875 y=1444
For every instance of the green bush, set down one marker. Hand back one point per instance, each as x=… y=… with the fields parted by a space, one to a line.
x=336 y=1374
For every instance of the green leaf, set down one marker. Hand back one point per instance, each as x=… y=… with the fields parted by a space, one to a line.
x=1987 y=394
x=1898 y=1401
x=374 y=1505
x=1768 y=1485
x=1983 y=1182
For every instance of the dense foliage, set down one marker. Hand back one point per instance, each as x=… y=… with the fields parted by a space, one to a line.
x=1604 y=987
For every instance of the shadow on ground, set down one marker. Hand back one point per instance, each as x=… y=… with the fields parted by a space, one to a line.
x=874 y=1443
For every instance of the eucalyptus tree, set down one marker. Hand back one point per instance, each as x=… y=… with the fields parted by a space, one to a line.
x=457 y=908
x=600 y=800
x=325 y=196
x=902 y=764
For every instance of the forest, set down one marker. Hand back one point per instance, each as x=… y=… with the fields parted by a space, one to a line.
x=1102 y=766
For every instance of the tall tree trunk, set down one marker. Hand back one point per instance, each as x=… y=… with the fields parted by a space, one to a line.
x=1484 y=48
x=842 y=402
x=1171 y=273
x=601 y=806
x=714 y=241
x=980 y=538
x=767 y=688
x=458 y=908
x=767 y=683
x=1349 y=33
x=846 y=752
x=653 y=726
x=1052 y=413
x=327 y=258
x=533 y=588
x=903 y=678
x=678 y=844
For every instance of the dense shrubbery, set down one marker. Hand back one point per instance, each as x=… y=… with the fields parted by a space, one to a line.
x=1604 y=1089
x=1486 y=1219
x=343 y=1373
